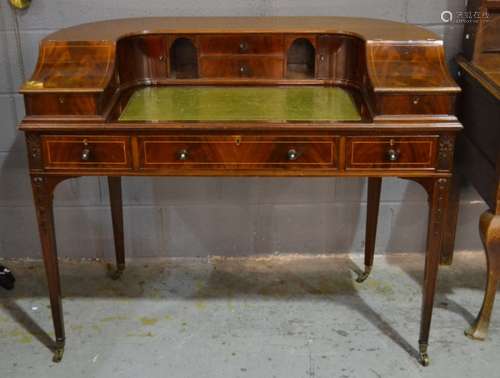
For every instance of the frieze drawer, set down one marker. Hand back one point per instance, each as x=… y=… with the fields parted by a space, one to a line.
x=237 y=152
x=66 y=152
x=391 y=152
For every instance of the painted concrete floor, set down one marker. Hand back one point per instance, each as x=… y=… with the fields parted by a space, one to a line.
x=278 y=316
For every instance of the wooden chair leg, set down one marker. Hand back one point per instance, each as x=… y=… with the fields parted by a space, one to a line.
x=438 y=190
x=115 y=199
x=451 y=222
x=43 y=188
x=489 y=229
x=373 y=205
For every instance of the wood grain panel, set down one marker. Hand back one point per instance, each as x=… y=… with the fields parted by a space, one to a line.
x=62 y=104
x=373 y=152
x=398 y=66
x=241 y=44
x=65 y=152
x=82 y=65
x=390 y=104
x=142 y=58
x=234 y=66
x=237 y=152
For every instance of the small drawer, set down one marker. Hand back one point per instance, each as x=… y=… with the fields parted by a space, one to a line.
x=415 y=104
x=391 y=152
x=241 y=44
x=237 y=152
x=63 y=152
x=234 y=66
x=50 y=104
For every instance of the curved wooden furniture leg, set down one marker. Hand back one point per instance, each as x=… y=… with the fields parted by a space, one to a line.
x=115 y=199
x=489 y=229
x=43 y=189
x=373 y=205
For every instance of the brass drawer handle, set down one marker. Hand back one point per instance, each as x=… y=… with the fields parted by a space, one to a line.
x=85 y=156
x=183 y=155
x=244 y=69
x=392 y=155
x=292 y=154
x=243 y=46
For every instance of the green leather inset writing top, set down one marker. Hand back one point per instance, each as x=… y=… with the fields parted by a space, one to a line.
x=241 y=104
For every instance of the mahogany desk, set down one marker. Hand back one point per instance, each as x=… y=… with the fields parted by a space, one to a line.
x=308 y=96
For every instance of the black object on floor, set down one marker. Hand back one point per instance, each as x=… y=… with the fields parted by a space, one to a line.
x=6 y=278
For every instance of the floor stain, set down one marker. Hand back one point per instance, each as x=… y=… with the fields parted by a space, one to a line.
x=342 y=333
x=21 y=336
x=380 y=287
x=200 y=305
x=148 y=321
x=113 y=318
x=140 y=334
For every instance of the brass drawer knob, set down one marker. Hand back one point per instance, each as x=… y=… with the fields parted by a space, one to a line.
x=292 y=154
x=243 y=46
x=183 y=155
x=244 y=69
x=392 y=155
x=85 y=156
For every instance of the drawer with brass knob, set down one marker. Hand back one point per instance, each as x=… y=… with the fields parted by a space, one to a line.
x=415 y=104
x=66 y=152
x=241 y=44
x=235 y=66
x=391 y=152
x=239 y=152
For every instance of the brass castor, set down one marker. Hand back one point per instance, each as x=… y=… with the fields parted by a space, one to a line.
x=424 y=356
x=115 y=274
x=58 y=352
x=363 y=276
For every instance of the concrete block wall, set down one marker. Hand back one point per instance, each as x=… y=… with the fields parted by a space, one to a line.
x=207 y=216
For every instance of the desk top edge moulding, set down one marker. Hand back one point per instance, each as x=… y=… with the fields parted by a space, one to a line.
x=281 y=96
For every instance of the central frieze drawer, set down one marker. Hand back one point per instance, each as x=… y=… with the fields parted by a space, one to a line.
x=63 y=152
x=237 y=152
x=241 y=44
x=235 y=66
x=391 y=152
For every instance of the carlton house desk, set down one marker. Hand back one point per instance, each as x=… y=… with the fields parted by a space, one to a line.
x=308 y=96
